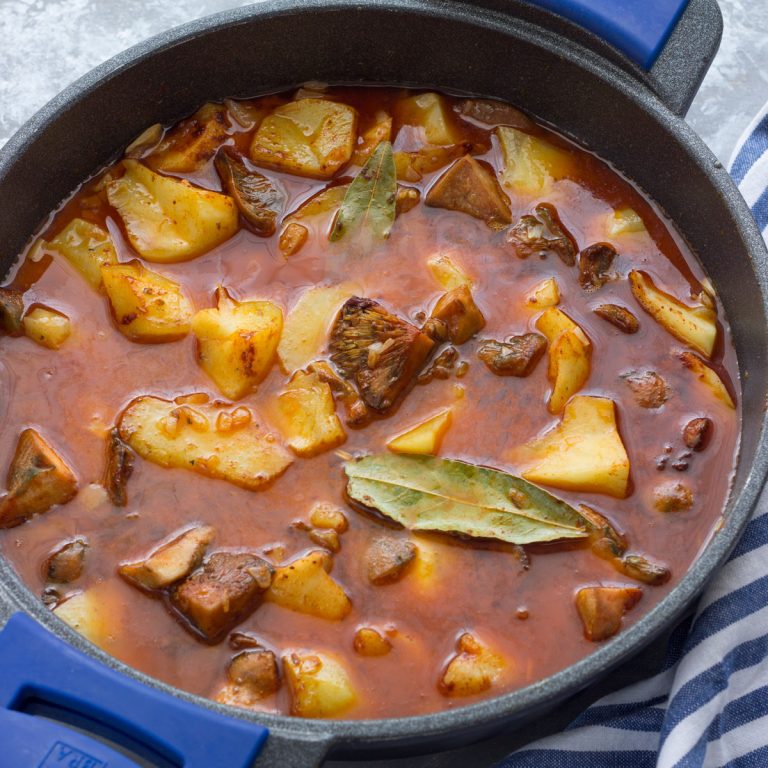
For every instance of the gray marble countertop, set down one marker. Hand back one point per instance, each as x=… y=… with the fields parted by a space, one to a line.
x=46 y=44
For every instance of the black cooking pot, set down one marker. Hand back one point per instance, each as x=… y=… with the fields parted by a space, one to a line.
x=604 y=99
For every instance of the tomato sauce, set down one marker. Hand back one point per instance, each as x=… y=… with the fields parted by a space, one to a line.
x=525 y=612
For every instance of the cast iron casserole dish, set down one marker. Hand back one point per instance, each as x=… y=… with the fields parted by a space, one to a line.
x=507 y=50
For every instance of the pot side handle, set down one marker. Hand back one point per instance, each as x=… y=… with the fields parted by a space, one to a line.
x=673 y=41
x=41 y=673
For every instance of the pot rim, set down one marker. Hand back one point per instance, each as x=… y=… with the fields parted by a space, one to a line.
x=741 y=501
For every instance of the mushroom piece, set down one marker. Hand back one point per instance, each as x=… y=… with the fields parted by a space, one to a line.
x=601 y=609
x=594 y=265
x=388 y=558
x=542 y=235
x=649 y=389
x=697 y=432
x=118 y=470
x=11 y=311
x=65 y=564
x=455 y=317
x=517 y=356
x=672 y=497
x=619 y=317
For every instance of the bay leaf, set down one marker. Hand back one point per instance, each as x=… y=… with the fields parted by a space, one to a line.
x=369 y=205
x=424 y=493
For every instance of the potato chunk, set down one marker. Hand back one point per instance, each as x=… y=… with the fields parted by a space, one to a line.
x=169 y=219
x=708 y=377
x=319 y=684
x=170 y=562
x=227 y=589
x=371 y=136
x=38 y=479
x=570 y=354
x=624 y=221
x=147 y=307
x=531 y=163
x=470 y=186
x=370 y=642
x=695 y=326
x=448 y=272
x=191 y=143
x=472 y=670
x=309 y=137
x=544 y=294
x=237 y=342
x=601 y=609
x=430 y=113
x=47 y=327
x=204 y=439
x=425 y=437
x=86 y=247
x=307 y=323
x=89 y=614
x=304 y=586
x=584 y=452
x=306 y=415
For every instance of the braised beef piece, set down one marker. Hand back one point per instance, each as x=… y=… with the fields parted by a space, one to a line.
x=470 y=186
x=517 y=356
x=65 y=564
x=595 y=264
x=377 y=351
x=256 y=671
x=222 y=593
x=118 y=470
x=649 y=389
x=387 y=558
x=258 y=198
x=37 y=480
x=455 y=317
x=618 y=316
x=11 y=311
x=697 y=432
x=543 y=235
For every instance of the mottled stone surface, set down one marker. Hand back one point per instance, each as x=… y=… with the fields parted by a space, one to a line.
x=46 y=44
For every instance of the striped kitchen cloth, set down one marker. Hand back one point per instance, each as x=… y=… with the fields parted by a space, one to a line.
x=708 y=707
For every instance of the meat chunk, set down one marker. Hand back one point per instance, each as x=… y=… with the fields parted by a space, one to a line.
x=543 y=235
x=618 y=316
x=649 y=389
x=119 y=468
x=455 y=317
x=381 y=353
x=470 y=186
x=673 y=497
x=65 y=564
x=517 y=356
x=388 y=558
x=11 y=311
x=172 y=561
x=222 y=593
x=37 y=480
x=602 y=608
x=595 y=263
x=697 y=432
x=259 y=199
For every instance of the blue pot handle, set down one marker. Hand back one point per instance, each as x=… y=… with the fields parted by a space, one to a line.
x=39 y=671
x=638 y=28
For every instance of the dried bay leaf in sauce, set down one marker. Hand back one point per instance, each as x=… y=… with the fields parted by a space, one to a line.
x=424 y=493
x=370 y=204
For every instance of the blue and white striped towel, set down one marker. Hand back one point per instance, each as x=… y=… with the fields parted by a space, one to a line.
x=708 y=708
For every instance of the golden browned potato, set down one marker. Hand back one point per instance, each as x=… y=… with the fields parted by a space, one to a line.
x=430 y=113
x=370 y=642
x=425 y=437
x=308 y=322
x=570 y=353
x=204 y=438
x=172 y=561
x=582 y=453
x=309 y=137
x=38 y=479
x=169 y=219
x=147 y=307
x=325 y=515
x=708 y=377
x=544 y=294
x=305 y=586
x=319 y=684
x=92 y=614
x=601 y=609
x=531 y=164
x=47 y=327
x=371 y=136
x=237 y=342
x=473 y=669
x=695 y=326
x=191 y=143
x=306 y=415
x=624 y=221
x=448 y=272
x=86 y=247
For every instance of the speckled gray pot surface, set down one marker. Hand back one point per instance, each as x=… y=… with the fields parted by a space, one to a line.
x=557 y=72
